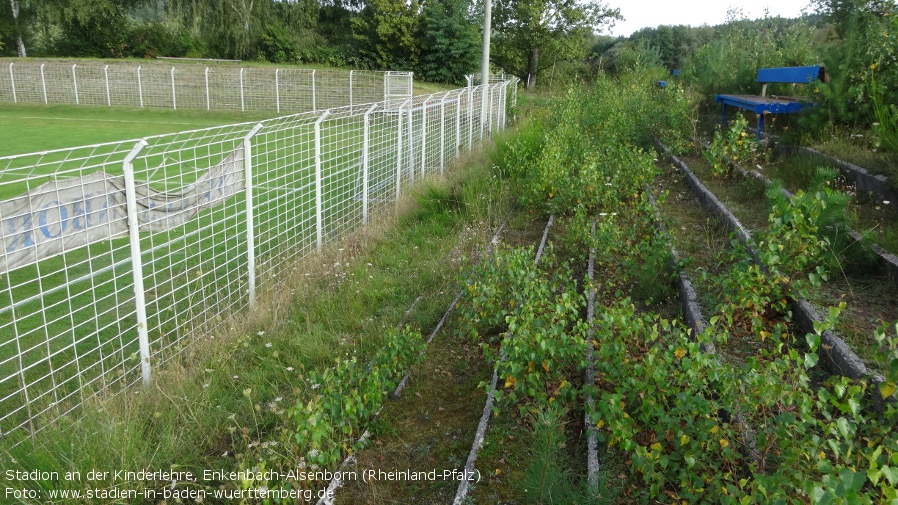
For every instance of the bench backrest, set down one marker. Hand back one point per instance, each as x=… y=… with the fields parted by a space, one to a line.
x=798 y=75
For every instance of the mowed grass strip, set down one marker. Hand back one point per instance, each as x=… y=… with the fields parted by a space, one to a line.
x=36 y=128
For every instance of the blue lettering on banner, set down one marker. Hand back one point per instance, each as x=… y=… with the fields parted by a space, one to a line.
x=62 y=221
x=61 y=215
x=104 y=211
x=22 y=237
x=78 y=214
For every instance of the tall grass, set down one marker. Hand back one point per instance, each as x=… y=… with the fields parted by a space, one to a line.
x=549 y=478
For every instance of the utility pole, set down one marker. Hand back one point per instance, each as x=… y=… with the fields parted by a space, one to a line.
x=485 y=64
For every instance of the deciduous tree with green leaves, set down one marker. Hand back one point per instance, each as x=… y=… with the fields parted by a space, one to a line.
x=388 y=34
x=451 y=41
x=230 y=28
x=20 y=45
x=525 y=30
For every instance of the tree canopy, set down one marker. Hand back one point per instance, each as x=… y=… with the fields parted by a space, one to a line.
x=525 y=30
x=436 y=38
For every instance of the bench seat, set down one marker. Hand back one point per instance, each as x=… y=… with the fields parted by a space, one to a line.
x=763 y=104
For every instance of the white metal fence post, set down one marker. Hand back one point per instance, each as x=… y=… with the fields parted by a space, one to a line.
x=314 y=104
x=250 y=215
x=242 y=105
x=500 y=108
x=277 y=90
x=424 y=136
x=399 y=151
x=12 y=82
x=499 y=102
x=75 y=83
x=470 y=115
x=140 y=308
x=319 y=197
x=514 y=95
x=106 y=78
x=174 y=98
x=483 y=108
x=458 y=123
x=139 y=87
x=504 y=105
x=366 y=140
x=350 y=91
x=411 y=141
x=208 y=98
x=44 y=83
x=489 y=99
x=442 y=131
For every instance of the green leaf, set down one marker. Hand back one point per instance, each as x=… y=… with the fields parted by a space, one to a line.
x=874 y=475
x=851 y=480
x=813 y=341
x=890 y=474
x=887 y=389
x=810 y=360
x=842 y=426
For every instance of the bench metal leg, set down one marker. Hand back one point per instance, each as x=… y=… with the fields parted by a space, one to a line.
x=760 y=126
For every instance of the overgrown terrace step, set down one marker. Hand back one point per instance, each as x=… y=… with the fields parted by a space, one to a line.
x=837 y=354
x=445 y=390
x=870 y=299
x=461 y=494
x=887 y=261
x=864 y=179
x=696 y=321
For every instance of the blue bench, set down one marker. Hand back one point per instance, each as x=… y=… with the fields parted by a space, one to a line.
x=762 y=104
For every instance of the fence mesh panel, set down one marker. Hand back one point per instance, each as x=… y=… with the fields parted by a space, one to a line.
x=190 y=86
x=67 y=322
x=71 y=309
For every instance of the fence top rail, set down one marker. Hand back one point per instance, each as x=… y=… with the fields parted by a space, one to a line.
x=186 y=63
x=216 y=60
x=7 y=163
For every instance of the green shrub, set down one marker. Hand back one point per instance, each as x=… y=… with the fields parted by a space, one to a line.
x=347 y=396
x=733 y=144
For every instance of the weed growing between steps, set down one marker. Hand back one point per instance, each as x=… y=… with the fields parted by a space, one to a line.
x=661 y=402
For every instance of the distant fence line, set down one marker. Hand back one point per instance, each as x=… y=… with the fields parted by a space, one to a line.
x=118 y=256
x=190 y=86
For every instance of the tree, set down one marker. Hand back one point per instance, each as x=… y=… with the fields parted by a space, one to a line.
x=229 y=28
x=850 y=15
x=451 y=46
x=387 y=34
x=527 y=29
x=20 y=45
x=83 y=27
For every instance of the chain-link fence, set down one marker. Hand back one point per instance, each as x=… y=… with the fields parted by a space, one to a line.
x=191 y=86
x=116 y=257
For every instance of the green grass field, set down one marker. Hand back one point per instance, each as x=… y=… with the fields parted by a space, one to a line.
x=72 y=315
x=35 y=128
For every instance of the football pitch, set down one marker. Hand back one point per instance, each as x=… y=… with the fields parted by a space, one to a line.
x=36 y=128
x=68 y=323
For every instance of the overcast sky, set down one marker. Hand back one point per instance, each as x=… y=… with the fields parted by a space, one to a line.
x=650 y=13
